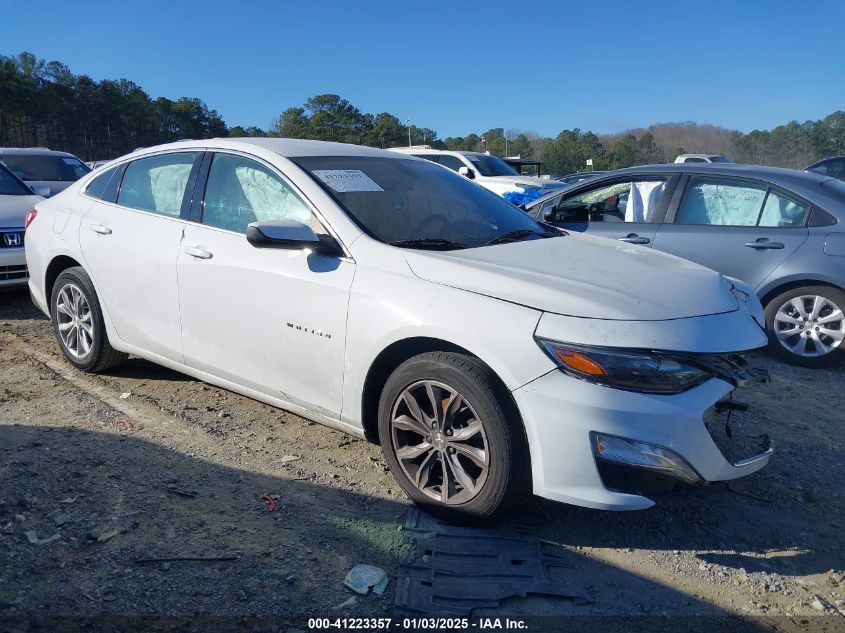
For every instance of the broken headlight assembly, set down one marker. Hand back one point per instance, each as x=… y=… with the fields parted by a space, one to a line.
x=630 y=370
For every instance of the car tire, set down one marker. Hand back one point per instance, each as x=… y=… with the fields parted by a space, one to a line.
x=794 y=308
x=78 y=323
x=479 y=439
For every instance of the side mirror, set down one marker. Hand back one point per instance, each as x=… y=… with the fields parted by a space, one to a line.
x=466 y=171
x=291 y=235
x=549 y=215
x=42 y=191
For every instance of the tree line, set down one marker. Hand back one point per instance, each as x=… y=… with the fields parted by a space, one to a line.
x=44 y=104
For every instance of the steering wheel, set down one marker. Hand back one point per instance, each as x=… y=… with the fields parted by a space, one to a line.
x=421 y=230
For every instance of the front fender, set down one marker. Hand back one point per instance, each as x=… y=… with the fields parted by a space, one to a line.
x=500 y=334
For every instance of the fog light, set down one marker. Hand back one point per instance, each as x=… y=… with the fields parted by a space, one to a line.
x=642 y=455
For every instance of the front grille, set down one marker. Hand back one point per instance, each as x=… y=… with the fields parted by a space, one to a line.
x=737 y=434
x=11 y=238
x=8 y=273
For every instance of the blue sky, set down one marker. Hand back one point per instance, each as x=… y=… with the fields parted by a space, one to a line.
x=462 y=66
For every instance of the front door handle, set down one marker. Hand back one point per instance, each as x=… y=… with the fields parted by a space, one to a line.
x=199 y=253
x=102 y=229
x=763 y=243
x=633 y=238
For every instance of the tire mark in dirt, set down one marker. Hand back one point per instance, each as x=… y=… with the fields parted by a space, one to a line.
x=140 y=411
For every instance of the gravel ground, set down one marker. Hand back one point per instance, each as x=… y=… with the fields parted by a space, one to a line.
x=103 y=476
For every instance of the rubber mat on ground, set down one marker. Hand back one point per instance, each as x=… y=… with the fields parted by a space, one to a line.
x=455 y=569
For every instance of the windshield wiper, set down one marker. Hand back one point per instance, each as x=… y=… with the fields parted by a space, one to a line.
x=515 y=236
x=429 y=242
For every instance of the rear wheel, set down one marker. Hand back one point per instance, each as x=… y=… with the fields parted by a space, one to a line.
x=78 y=323
x=451 y=438
x=807 y=326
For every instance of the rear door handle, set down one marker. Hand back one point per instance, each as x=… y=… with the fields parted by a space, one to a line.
x=199 y=253
x=102 y=229
x=764 y=243
x=633 y=238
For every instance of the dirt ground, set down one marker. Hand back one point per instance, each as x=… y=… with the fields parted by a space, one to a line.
x=109 y=474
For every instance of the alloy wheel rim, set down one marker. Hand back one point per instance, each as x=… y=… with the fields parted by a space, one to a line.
x=74 y=320
x=440 y=442
x=810 y=326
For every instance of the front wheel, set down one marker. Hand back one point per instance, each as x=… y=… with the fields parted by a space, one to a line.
x=451 y=437
x=806 y=325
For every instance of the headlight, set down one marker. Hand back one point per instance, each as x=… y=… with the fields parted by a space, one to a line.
x=631 y=370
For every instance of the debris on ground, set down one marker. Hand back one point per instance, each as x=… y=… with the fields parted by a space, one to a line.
x=124 y=424
x=286 y=459
x=102 y=535
x=457 y=569
x=32 y=537
x=184 y=559
x=271 y=504
x=125 y=395
x=362 y=578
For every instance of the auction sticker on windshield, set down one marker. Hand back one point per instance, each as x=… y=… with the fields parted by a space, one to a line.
x=346 y=180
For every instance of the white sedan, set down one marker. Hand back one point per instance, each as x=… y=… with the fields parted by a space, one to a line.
x=489 y=354
x=16 y=200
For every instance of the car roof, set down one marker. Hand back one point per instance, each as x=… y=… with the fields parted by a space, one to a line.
x=29 y=151
x=808 y=185
x=287 y=147
x=824 y=160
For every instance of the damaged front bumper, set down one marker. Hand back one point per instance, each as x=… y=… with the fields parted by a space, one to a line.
x=605 y=448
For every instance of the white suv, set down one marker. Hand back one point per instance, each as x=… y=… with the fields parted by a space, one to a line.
x=383 y=295
x=488 y=171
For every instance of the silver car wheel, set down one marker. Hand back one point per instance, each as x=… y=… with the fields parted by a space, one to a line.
x=74 y=320
x=810 y=326
x=439 y=441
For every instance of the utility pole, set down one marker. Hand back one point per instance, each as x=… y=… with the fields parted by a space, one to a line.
x=408 y=124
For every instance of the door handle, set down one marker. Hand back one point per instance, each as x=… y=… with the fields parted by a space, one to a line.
x=764 y=243
x=199 y=253
x=102 y=229
x=633 y=238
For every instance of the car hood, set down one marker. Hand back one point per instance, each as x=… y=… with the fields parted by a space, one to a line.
x=582 y=276
x=13 y=210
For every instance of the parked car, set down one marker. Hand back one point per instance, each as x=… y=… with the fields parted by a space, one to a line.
x=488 y=171
x=779 y=230
x=581 y=176
x=833 y=167
x=16 y=199
x=385 y=296
x=46 y=171
x=702 y=158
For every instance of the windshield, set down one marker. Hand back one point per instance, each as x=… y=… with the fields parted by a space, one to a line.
x=720 y=159
x=46 y=167
x=417 y=203
x=11 y=186
x=490 y=165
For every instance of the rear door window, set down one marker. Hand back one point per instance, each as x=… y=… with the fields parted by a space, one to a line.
x=719 y=201
x=158 y=183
